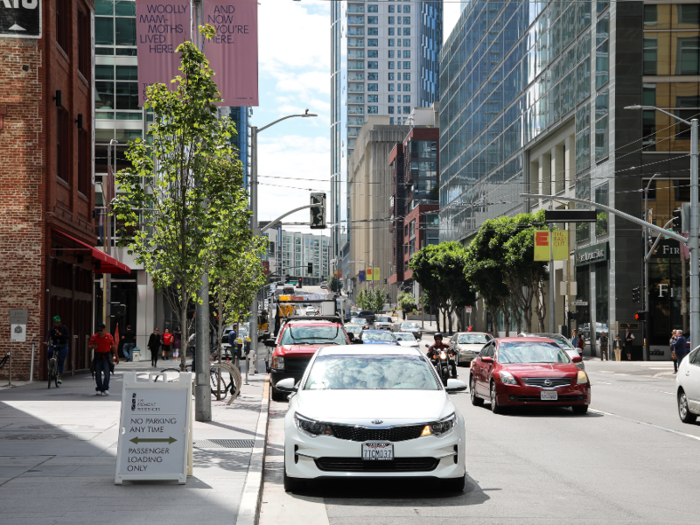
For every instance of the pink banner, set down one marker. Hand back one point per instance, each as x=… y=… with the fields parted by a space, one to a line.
x=161 y=26
x=233 y=53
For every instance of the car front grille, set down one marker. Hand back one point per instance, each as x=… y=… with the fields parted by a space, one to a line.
x=360 y=465
x=541 y=381
x=296 y=365
x=562 y=399
x=379 y=434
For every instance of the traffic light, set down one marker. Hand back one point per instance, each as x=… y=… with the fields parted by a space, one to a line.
x=640 y=316
x=299 y=281
x=572 y=316
x=677 y=219
x=636 y=294
x=318 y=211
x=310 y=268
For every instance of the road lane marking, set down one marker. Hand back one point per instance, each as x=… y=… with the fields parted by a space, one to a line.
x=645 y=423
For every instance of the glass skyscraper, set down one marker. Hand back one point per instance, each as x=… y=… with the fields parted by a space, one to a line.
x=384 y=61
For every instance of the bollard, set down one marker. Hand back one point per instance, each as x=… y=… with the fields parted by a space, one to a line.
x=10 y=376
x=247 y=365
x=31 y=366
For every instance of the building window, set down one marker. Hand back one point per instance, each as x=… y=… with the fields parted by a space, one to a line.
x=372 y=87
x=372 y=110
x=391 y=99
x=373 y=8
x=406 y=110
x=406 y=99
x=407 y=65
x=391 y=32
x=391 y=64
x=372 y=76
x=406 y=31
x=391 y=87
x=391 y=76
x=407 y=87
x=372 y=42
x=406 y=9
x=406 y=42
x=391 y=8
x=407 y=76
x=601 y=126
x=407 y=20
x=407 y=53
x=372 y=98
x=391 y=54
x=84 y=162
x=372 y=65
x=390 y=43
x=373 y=31
x=373 y=20
x=62 y=145
x=391 y=19
x=63 y=20
x=84 y=44
x=601 y=197
x=391 y=110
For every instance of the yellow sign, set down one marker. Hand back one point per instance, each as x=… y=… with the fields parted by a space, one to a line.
x=560 y=251
x=377 y=274
x=368 y=274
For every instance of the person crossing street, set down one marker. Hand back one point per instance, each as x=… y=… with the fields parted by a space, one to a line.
x=57 y=341
x=104 y=346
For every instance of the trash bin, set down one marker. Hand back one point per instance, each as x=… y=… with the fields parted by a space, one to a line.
x=136 y=353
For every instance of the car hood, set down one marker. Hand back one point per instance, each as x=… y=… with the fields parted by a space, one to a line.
x=471 y=347
x=409 y=343
x=297 y=350
x=542 y=369
x=393 y=407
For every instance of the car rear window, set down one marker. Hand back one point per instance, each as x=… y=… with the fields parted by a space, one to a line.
x=314 y=335
x=370 y=372
x=473 y=339
x=531 y=352
x=378 y=336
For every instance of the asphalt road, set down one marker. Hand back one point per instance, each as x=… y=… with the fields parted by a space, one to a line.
x=629 y=460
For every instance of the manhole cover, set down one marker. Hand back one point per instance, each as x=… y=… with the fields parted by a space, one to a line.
x=33 y=437
x=224 y=443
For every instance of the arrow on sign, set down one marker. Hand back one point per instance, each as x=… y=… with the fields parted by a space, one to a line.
x=15 y=27
x=138 y=440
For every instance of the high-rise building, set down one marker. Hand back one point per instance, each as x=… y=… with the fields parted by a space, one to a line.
x=297 y=250
x=384 y=62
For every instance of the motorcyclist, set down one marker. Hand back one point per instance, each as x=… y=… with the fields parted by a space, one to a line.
x=434 y=351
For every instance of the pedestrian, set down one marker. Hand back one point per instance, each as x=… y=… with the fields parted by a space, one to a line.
x=167 y=343
x=674 y=357
x=603 y=342
x=154 y=342
x=177 y=342
x=680 y=347
x=57 y=341
x=617 y=347
x=629 y=339
x=578 y=341
x=128 y=343
x=104 y=346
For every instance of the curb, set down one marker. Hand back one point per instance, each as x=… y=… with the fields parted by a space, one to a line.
x=249 y=508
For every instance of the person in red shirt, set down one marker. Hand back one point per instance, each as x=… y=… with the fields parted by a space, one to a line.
x=167 y=343
x=104 y=346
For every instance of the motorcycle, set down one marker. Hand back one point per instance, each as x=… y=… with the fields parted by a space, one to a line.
x=444 y=363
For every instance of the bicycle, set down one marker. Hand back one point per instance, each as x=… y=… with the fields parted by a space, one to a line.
x=223 y=378
x=53 y=365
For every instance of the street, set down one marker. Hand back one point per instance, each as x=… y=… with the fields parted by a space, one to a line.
x=629 y=460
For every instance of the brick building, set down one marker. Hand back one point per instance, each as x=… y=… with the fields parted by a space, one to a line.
x=47 y=183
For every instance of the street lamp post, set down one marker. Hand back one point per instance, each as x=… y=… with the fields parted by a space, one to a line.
x=254 y=130
x=694 y=224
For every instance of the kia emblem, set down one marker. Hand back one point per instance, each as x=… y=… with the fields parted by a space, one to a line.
x=377 y=422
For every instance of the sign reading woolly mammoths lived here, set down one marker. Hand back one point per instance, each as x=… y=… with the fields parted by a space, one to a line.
x=20 y=18
x=233 y=53
x=161 y=26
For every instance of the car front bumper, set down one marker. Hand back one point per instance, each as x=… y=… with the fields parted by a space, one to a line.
x=325 y=456
x=512 y=395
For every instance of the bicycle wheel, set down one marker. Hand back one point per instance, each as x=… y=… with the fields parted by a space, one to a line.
x=55 y=373
x=221 y=382
x=51 y=364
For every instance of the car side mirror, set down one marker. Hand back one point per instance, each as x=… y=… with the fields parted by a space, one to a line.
x=269 y=343
x=577 y=359
x=286 y=385
x=351 y=336
x=455 y=385
x=358 y=341
x=487 y=359
x=427 y=346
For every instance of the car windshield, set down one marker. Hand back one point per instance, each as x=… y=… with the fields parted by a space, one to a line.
x=354 y=328
x=410 y=326
x=378 y=336
x=405 y=336
x=242 y=332
x=534 y=352
x=473 y=339
x=383 y=319
x=370 y=372
x=314 y=335
x=358 y=320
x=563 y=342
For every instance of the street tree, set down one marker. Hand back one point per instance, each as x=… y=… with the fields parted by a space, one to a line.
x=373 y=299
x=407 y=302
x=334 y=284
x=177 y=188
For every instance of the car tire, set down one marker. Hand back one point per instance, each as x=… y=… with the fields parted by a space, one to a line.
x=276 y=394
x=579 y=409
x=683 y=411
x=476 y=400
x=495 y=407
x=291 y=484
x=453 y=484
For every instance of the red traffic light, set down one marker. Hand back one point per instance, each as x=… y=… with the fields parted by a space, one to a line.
x=640 y=316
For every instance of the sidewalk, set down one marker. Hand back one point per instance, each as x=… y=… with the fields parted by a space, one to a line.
x=58 y=458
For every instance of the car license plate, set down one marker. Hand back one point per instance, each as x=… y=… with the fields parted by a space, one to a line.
x=549 y=396
x=377 y=451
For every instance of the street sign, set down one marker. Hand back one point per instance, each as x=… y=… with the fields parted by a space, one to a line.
x=19 y=317
x=154 y=437
x=579 y=303
x=628 y=326
x=468 y=309
x=20 y=19
x=18 y=326
x=570 y=216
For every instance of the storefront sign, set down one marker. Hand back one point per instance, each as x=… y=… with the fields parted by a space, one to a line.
x=20 y=19
x=592 y=254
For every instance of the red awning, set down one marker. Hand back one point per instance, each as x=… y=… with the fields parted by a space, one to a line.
x=103 y=263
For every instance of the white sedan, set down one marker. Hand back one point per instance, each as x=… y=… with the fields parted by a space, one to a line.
x=406 y=339
x=688 y=387
x=372 y=411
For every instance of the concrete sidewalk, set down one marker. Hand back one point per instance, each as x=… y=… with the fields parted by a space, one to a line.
x=58 y=458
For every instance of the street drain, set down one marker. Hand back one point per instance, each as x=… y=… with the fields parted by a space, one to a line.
x=224 y=443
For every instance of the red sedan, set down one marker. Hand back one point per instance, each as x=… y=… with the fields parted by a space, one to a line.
x=516 y=371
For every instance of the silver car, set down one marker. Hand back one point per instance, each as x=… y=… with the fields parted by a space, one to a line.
x=382 y=322
x=563 y=342
x=467 y=345
x=406 y=339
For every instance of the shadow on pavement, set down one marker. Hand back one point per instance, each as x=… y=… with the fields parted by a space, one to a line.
x=540 y=411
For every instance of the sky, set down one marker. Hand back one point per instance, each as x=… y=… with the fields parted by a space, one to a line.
x=294 y=74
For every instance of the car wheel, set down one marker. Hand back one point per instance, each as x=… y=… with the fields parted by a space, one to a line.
x=277 y=395
x=683 y=411
x=580 y=409
x=453 y=484
x=476 y=400
x=495 y=407
x=292 y=484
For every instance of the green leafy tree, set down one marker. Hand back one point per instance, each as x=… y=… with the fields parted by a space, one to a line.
x=334 y=284
x=179 y=185
x=373 y=299
x=407 y=302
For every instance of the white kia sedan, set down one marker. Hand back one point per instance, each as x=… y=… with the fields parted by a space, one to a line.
x=372 y=411
x=406 y=339
x=688 y=387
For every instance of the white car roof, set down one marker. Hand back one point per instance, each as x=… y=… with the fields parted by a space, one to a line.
x=368 y=349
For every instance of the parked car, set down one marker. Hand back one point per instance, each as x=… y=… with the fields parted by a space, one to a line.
x=414 y=328
x=563 y=342
x=406 y=339
x=372 y=412
x=310 y=310
x=467 y=345
x=688 y=387
x=378 y=337
x=367 y=314
x=296 y=344
x=517 y=371
x=382 y=322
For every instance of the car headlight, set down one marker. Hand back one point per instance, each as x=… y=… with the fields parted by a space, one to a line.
x=277 y=362
x=441 y=427
x=312 y=428
x=507 y=378
x=582 y=378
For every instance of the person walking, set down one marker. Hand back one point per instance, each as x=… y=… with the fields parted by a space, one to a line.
x=154 y=342
x=57 y=341
x=629 y=339
x=603 y=342
x=672 y=343
x=167 y=342
x=574 y=338
x=680 y=348
x=617 y=347
x=177 y=342
x=128 y=343
x=104 y=346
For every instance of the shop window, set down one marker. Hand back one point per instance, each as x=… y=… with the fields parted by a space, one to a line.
x=63 y=20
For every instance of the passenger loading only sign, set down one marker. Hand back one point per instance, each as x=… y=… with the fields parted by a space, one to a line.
x=155 y=429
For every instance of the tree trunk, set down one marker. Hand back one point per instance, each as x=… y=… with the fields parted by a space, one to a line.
x=221 y=319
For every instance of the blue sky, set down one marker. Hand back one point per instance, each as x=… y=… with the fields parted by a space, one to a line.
x=294 y=74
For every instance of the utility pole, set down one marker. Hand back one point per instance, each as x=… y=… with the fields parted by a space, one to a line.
x=552 y=312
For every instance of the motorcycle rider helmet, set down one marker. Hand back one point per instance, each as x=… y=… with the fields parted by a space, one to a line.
x=437 y=336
